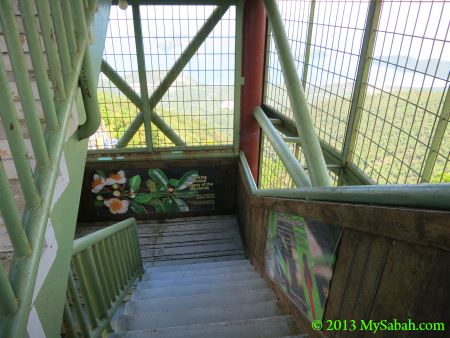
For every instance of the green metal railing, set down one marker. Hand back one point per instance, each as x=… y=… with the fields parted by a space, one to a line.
x=105 y=264
x=55 y=69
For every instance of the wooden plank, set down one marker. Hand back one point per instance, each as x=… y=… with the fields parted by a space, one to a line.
x=405 y=277
x=188 y=238
x=191 y=249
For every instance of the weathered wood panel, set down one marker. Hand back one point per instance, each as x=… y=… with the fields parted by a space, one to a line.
x=391 y=262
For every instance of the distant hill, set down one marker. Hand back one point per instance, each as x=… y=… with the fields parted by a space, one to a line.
x=432 y=67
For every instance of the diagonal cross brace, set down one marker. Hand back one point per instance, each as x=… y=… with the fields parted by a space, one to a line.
x=173 y=73
x=137 y=101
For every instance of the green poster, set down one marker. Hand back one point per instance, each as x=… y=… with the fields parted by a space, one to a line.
x=300 y=257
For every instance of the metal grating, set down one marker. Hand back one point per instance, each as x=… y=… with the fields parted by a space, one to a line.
x=199 y=106
x=406 y=87
x=117 y=111
x=408 y=79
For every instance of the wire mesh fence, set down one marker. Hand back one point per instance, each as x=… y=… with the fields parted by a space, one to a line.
x=403 y=100
x=199 y=105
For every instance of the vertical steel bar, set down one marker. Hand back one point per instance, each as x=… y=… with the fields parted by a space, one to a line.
x=107 y=268
x=112 y=263
x=79 y=13
x=61 y=36
x=238 y=80
x=308 y=42
x=68 y=322
x=359 y=90
x=23 y=83
x=100 y=268
x=9 y=303
x=51 y=52
x=68 y=20
x=176 y=69
x=119 y=257
x=86 y=289
x=137 y=248
x=130 y=244
x=76 y=302
x=292 y=165
x=16 y=142
x=39 y=64
x=10 y=214
x=311 y=145
x=142 y=76
x=125 y=254
x=438 y=136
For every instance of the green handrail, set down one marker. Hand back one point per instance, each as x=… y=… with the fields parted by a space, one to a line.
x=106 y=263
x=430 y=196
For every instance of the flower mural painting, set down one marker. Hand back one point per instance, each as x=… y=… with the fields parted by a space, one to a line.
x=159 y=193
x=117 y=178
x=98 y=183
x=117 y=206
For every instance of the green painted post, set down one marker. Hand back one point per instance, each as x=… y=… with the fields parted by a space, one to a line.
x=311 y=145
x=11 y=216
x=142 y=76
x=39 y=64
x=107 y=270
x=308 y=42
x=112 y=263
x=51 y=52
x=18 y=62
x=119 y=257
x=125 y=254
x=238 y=80
x=291 y=164
x=129 y=243
x=173 y=73
x=359 y=90
x=436 y=143
x=100 y=267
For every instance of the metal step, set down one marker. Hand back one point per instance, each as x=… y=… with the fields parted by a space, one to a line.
x=252 y=328
x=198 y=266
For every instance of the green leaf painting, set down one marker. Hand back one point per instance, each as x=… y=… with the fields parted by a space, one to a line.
x=159 y=177
x=187 y=179
x=135 y=182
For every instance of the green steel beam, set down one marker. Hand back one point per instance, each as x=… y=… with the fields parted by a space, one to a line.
x=176 y=69
x=292 y=165
x=76 y=303
x=90 y=100
x=308 y=42
x=18 y=62
x=359 y=90
x=69 y=323
x=39 y=64
x=11 y=216
x=311 y=146
x=69 y=24
x=438 y=136
x=51 y=51
x=142 y=76
x=124 y=87
x=180 y=2
x=16 y=142
x=430 y=196
x=238 y=80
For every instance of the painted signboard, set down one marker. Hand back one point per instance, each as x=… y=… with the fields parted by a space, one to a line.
x=299 y=258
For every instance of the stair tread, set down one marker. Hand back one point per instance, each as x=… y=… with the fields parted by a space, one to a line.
x=187 y=302
x=198 y=289
x=200 y=315
x=202 y=279
x=252 y=328
x=197 y=266
x=164 y=275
